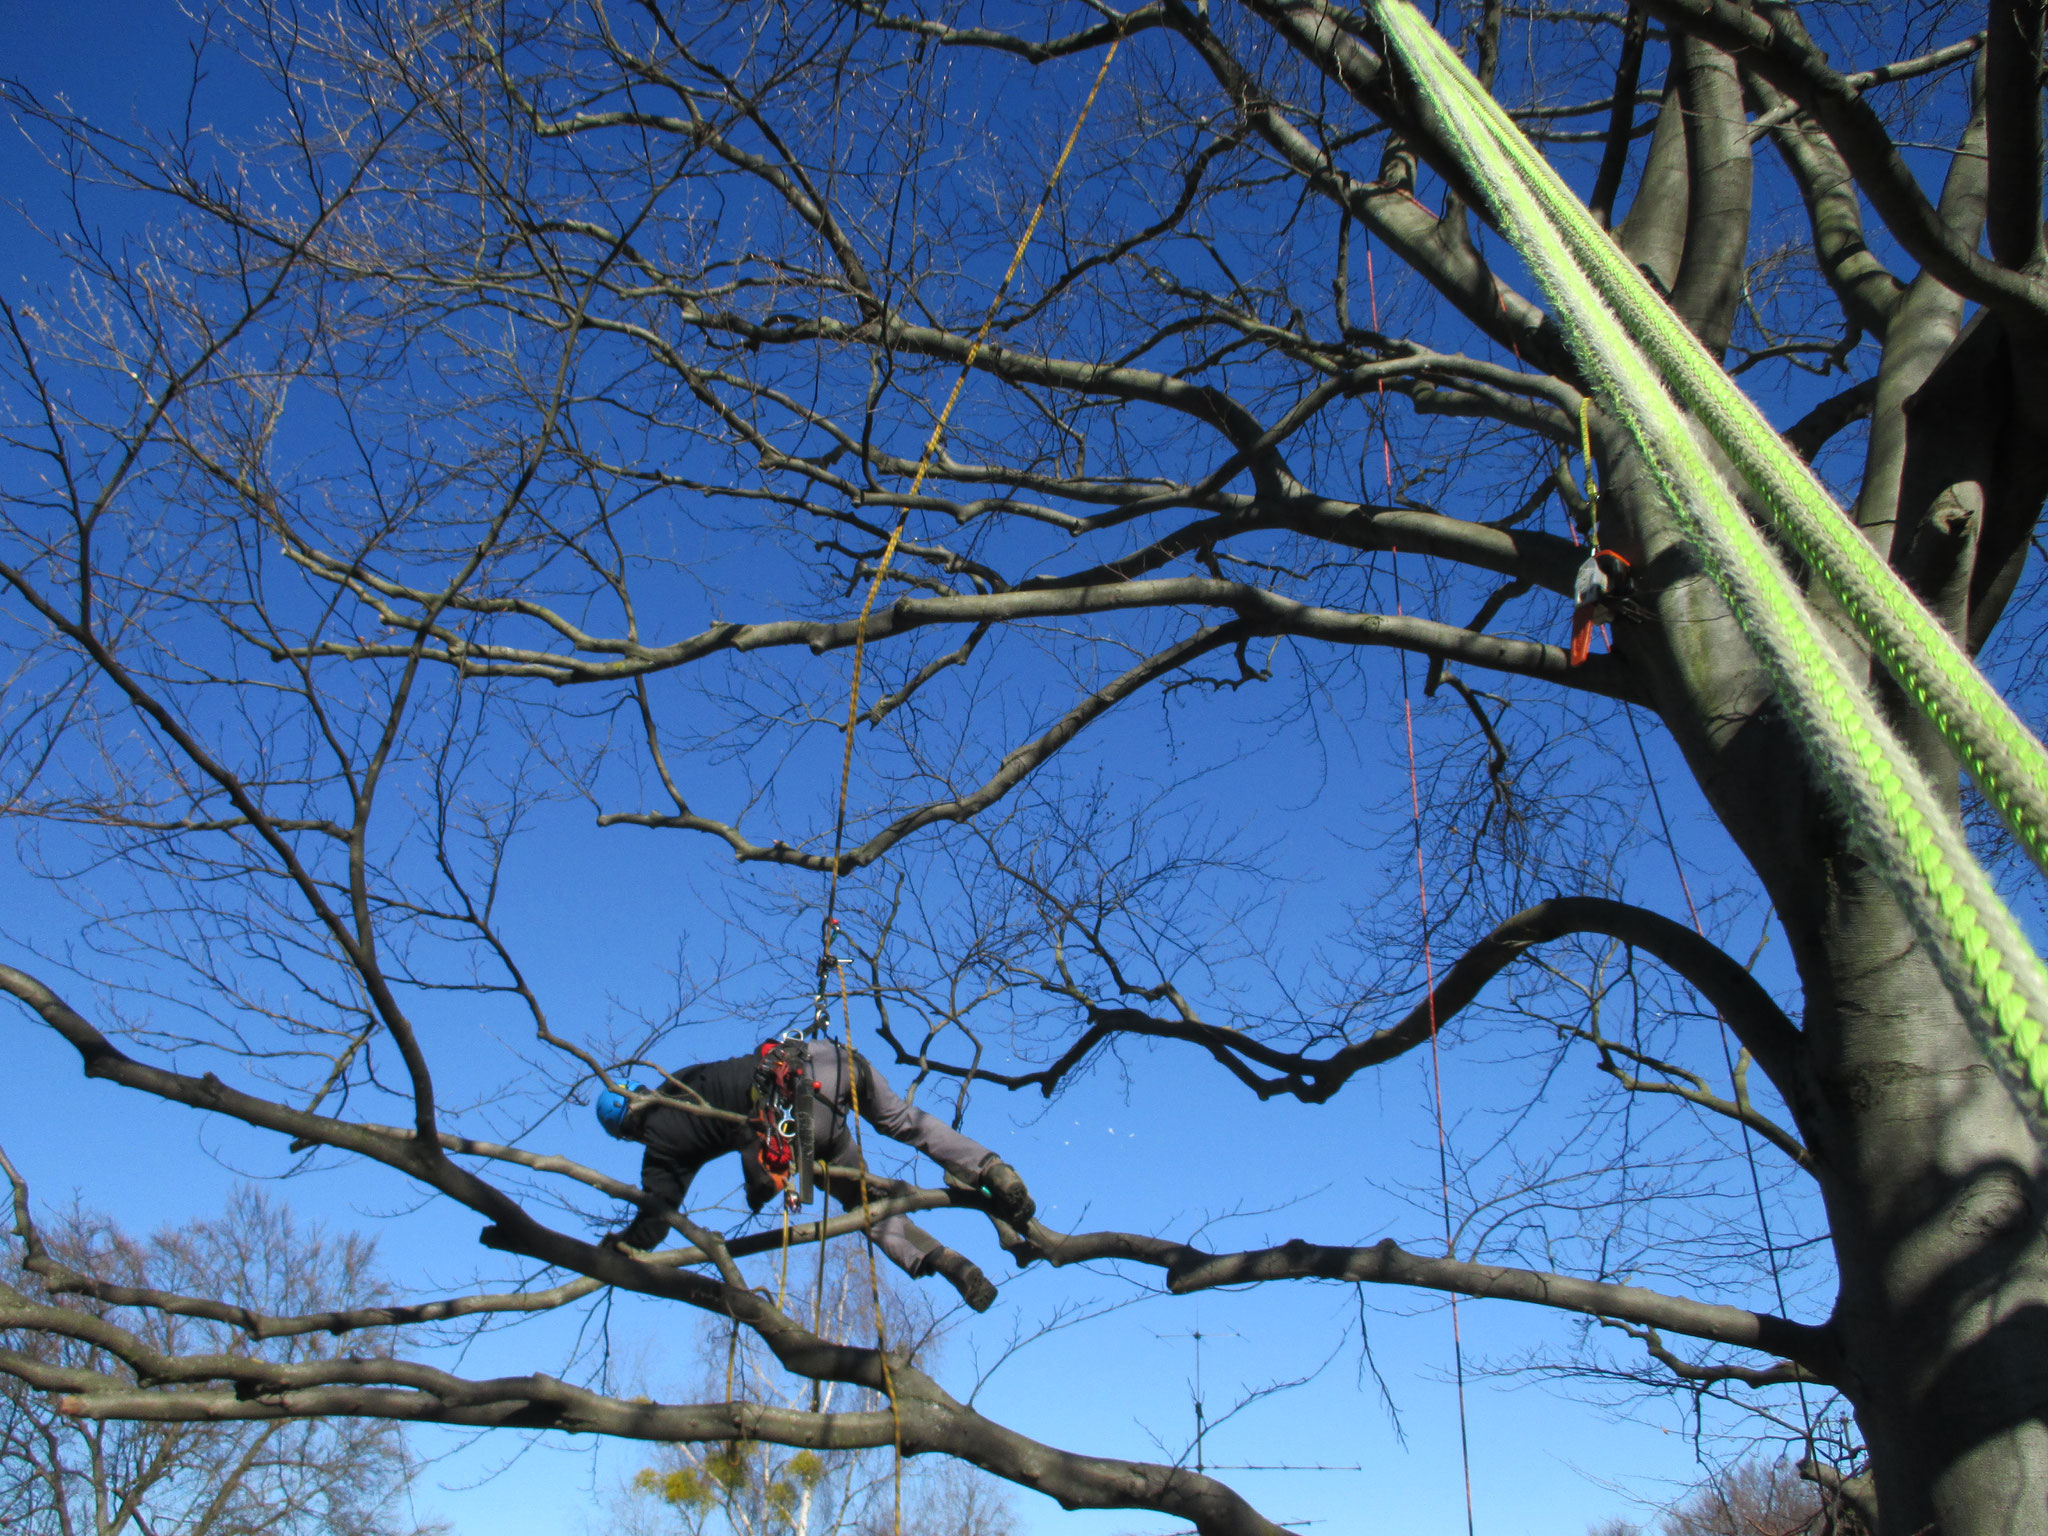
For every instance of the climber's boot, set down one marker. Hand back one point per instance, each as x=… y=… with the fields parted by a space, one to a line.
x=964 y=1275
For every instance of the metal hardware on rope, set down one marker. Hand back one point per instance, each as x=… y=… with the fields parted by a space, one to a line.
x=781 y=1116
x=1604 y=581
x=1611 y=319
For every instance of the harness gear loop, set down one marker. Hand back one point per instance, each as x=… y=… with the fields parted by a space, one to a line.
x=780 y=1116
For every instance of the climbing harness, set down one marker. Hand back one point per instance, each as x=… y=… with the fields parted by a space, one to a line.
x=779 y=1115
x=1638 y=354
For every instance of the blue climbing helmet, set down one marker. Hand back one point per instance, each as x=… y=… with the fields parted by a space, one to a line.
x=611 y=1110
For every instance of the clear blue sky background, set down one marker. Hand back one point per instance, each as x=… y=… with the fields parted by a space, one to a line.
x=1178 y=1149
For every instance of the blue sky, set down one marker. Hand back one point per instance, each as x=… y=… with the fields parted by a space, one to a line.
x=1175 y=1149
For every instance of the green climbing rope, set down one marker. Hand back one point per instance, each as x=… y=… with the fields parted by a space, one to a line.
x=2004 y=757
x=1637 y=355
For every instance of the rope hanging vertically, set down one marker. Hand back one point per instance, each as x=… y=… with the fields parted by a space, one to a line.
x=1436 y=1065
x=820 y=1019
x=1984 y=959
x=1756 y=1184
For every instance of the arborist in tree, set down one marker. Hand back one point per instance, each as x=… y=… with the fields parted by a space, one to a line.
x=785 y=1104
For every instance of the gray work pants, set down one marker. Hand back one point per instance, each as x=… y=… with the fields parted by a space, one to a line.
x=906 y=1244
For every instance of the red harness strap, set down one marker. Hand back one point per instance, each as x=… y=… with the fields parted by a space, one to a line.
x=780 y=1117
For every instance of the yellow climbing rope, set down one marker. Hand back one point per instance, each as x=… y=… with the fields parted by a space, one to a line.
x=931 y=448
x=860 y=645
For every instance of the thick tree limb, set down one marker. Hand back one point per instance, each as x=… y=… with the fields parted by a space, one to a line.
x=1426 y=636
x=1653 y=233
x=2012 y=131
x=1867 y=292
x=1546 y=559
x=1770 y=40
x=1814 y=1349
x=1712 y=271
x=1858 y=1492
x=1125 y=24
x=542 y=1403
x=1432 y=246
x=929 y=1419
x=1756 y=1021
x=1386 y=1263
x=1621 y=118
x=1811 y=432
x=1268 y=613
x=1919 y=334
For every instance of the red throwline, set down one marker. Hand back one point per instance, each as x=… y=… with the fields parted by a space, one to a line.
x=1436 y=1066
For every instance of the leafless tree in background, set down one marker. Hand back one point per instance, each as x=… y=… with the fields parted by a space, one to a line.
x=61 y=1475
x=1752 y=1498
x=1756 y=1497
x=515 y=408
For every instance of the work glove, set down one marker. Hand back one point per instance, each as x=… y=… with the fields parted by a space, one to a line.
x=1012 y=1200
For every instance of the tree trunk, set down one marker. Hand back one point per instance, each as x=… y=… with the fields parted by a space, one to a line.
x=1930 y=1171
x=1932 y=1178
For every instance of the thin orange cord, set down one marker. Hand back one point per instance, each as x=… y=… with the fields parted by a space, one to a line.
x=1436 y=1068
